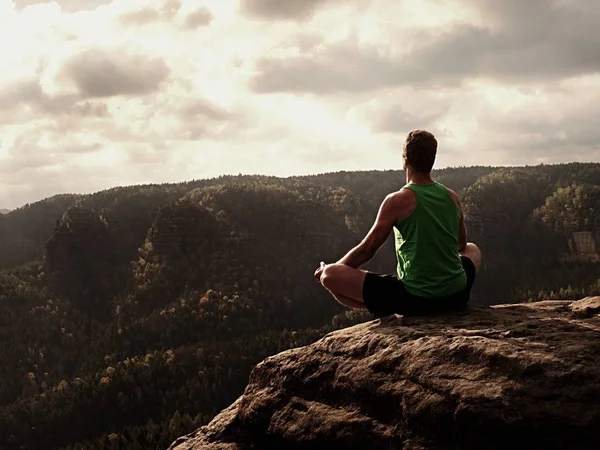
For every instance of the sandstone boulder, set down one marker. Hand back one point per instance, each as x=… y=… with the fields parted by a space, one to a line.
x=510 y=376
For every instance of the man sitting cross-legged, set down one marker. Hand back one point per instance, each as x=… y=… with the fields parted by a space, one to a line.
x=436 y=266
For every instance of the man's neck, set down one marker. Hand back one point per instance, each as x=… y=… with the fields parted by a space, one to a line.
x=418 y=178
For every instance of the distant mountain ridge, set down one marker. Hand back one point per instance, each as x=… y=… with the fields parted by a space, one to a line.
x=30 y=226
x=4 y=211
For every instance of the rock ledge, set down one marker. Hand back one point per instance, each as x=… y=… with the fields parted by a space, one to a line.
x=525 y=375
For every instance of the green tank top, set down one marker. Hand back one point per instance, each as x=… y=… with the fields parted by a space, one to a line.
x=427 y=244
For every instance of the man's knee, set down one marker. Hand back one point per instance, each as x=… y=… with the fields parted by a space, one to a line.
x=331 y=275
x=471 y=247
x=473 y=252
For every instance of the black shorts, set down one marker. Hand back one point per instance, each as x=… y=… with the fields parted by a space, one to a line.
x=385 y=295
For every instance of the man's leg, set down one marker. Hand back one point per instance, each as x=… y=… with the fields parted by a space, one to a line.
x=472 y=252
x=345 y=283
x=349 y=302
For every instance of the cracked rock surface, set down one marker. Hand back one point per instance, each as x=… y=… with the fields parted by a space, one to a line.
x=508 y=376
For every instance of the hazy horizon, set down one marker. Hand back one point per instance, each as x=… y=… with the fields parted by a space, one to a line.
x=99 y=93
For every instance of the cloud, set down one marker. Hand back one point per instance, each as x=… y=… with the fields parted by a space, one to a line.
x=140 y=17
x=541 y=134
x=165 y=11
x=340 y=67
x=80 y=148
x=147 y=154
x=17 y=92
x=513 y=41
x=94 y=97
x=33 y=166
x=29 y=93
x=199 y=18
x=502 y=124
x=281 y=10
x=399 y=119
x=170 y=8
x=199 y=118
x=203 y=108
x=66 y=5
x=97 y=73
x=90 y=109
x=24 y=155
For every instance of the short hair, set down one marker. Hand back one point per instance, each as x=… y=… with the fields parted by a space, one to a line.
x=419 y=151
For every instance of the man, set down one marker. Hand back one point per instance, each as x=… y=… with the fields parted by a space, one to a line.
x=436 y=266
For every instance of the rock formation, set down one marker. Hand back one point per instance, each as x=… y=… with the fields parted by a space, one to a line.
x=509 y=376
x=583 y=245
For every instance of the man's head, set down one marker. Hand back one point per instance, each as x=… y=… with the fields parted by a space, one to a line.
x=419 y=151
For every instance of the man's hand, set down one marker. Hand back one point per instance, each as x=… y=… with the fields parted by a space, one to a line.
x=319 y=271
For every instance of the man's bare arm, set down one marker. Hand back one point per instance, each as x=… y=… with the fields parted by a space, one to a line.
x=381 y=229
x=462 y=230
x=462 y=233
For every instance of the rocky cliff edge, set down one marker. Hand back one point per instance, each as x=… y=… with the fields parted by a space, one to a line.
x=509 y=376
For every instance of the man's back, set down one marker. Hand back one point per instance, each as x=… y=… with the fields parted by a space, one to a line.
x=427 y=242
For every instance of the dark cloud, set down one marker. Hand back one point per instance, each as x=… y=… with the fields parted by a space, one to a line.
x=200 y=18
x=343 y=67
x=524 y=41
x=281 y=9
x=66 y=5
x=100 y=74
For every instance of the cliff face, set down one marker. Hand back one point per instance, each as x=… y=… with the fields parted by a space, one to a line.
x=525 y=375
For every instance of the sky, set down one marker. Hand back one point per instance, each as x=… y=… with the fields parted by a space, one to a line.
x=99 y=93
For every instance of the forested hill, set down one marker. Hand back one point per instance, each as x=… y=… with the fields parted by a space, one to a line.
x=133 y=315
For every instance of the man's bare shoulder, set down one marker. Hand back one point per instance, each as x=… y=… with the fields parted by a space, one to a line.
x=452 y=193
x=403 y=203
x=454 y=196
x=402 y=197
